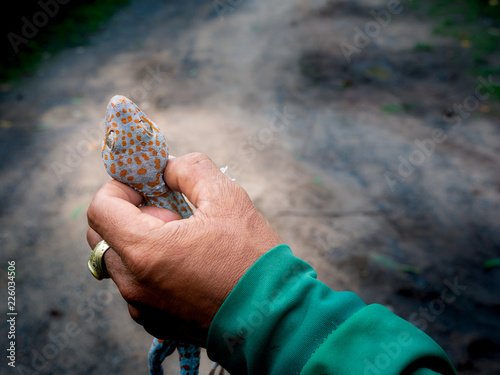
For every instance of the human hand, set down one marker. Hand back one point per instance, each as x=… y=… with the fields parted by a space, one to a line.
x=173 y=273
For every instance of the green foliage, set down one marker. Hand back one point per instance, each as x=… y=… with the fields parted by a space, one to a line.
x=391 y=264
x=423 y=47
x=74 y=29
x=475 y=22
x=396 y=108
x=491 y=263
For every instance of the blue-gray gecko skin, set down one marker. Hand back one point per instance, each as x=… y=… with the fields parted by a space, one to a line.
x=134 y=151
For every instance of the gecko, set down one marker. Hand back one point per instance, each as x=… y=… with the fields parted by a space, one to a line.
x=135 y=152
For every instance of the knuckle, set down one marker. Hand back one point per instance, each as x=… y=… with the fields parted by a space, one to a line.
x=198 y=160
x=130 y=294
x=196 y=157
x=94 y=211
x=91 y=213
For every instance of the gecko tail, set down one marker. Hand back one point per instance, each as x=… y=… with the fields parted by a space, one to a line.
x=159 y=350
x=189 y=358
x=214 y=367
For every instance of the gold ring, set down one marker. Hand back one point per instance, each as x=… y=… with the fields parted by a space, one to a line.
x=96 y=263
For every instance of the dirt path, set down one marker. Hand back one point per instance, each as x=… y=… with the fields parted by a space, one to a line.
x=339 y=138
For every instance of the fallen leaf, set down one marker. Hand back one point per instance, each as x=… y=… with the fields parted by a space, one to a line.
x=385 y=261
x=491 y=263
x=77 y=211
x=465 y=43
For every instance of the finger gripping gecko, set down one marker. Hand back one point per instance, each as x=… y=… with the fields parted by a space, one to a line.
x=134 y=151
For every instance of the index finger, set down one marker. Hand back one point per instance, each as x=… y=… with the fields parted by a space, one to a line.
x=114 y=214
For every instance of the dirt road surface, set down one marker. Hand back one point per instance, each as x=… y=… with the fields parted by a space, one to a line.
x=376 y=161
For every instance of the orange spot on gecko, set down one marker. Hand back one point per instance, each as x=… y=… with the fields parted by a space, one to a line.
x=118 y=114
x=183 y=209
x=153 y=184
x=124 y=143
x=106 y=157
x=150 y=143
x=124 y=110
x=138 y=148
x=155 y=153
x=163 y=153
x=158 y=143
x=157 y=163
x=132 y=142
x=130 y=178
x=142 y=171
x=139 y=138
x=123 y=173
x=129 y=161
x=124 y=120
x=130 y=151
x=137 y=160
x=120 y=163
x=112 y=168
x=145 y=157
x=129 y=118
x=114 y=124
x=139 y=186
x=129 y=134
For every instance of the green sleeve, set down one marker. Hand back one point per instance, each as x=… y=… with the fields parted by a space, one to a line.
x=279 y=319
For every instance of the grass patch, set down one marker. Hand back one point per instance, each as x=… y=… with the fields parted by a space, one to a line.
x=425 y=47
x=72 y=27
x=396 y=108
x=476 y=23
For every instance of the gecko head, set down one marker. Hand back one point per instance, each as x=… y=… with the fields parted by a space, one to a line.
x=134 y=149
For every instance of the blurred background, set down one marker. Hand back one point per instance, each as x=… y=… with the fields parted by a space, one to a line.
x=367 y=132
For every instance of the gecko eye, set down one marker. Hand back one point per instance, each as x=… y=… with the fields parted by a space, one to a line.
x=147 y=126
x=111 y=140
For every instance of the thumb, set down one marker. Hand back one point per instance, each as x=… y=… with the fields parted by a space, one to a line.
x=200 y=180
